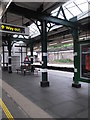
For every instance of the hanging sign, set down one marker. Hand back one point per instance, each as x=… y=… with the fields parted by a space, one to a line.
x=8 y=28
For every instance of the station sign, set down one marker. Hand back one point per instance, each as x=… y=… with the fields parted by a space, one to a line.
x=13 y=29
x=85 y=61
x=27 y=61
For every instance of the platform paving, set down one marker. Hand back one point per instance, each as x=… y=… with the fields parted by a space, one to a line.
x=59 y=100
x=15 y=110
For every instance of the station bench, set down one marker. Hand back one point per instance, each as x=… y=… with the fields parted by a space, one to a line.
x=23 y=70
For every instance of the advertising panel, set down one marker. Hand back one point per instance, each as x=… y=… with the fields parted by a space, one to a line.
x=85 y=61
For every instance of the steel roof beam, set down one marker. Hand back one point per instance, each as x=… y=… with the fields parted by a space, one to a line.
x=33 y=14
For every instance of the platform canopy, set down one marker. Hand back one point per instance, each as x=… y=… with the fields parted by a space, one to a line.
x=41 y=6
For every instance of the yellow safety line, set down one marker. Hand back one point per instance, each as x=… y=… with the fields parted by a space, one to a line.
x=6 y=111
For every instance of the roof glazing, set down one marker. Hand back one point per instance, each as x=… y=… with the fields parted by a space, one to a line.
x=72 y=8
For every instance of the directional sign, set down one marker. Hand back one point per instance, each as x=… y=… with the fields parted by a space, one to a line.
x=14 y=29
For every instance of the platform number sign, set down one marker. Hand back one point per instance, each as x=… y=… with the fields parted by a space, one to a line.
x=85 y=61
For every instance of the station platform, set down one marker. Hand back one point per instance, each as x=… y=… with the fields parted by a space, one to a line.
x=59 y=100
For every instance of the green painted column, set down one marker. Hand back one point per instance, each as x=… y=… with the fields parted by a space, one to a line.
x=3 y=57
x=31 y=50
x=76 y=59
x=44 y=82
x=21 y=56
x=9 y=56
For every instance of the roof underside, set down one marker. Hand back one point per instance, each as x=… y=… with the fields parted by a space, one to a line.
x=40 y=7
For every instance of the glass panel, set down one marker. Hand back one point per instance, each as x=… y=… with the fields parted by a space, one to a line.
x=70 y=5
x=67 y=3
x=55 y=10
x=84 y=7
x=54 y=14
x=75 y=11
x=56 y=26
x=80 y=1
x=60 y=16
x=68 y=14
x=34 y=30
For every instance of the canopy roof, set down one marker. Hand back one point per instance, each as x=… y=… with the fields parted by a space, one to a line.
x=41 y=6
x=71 y=8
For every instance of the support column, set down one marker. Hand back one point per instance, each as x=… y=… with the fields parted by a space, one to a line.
x=9 y=56
x=26 y=50
x=76 y=59
x=3 y=56
x=31 y=50
x=21 y=56
x=44 y=82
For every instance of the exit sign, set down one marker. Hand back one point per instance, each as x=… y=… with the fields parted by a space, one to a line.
x=13 y=29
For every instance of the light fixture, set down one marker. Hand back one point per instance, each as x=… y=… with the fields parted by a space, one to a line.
x=35 y=47
x=15 y=36
x=38 y=23
x=66 y=41
x=20 y=36
x=52 y=44
x=26 y=37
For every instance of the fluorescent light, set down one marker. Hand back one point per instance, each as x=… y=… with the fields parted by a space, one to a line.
x=15 y=36
x=35 y=47
x=26 y=37
x=20 y=36
x=66 y=41
x=52 y=44
x=84 y=38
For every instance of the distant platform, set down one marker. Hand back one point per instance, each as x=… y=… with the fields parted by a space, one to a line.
x=61 y=67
